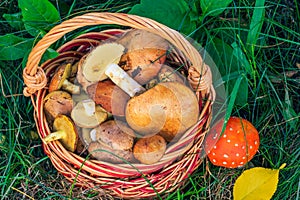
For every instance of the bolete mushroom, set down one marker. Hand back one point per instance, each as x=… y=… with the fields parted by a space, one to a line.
x=56 y=103
x=149 y=150
x=88 y=115
x=146 y=52
x=169 y=108
x=101 y=63
x=236 y=146
x=111 y=138
x=60 y=80
x=65 y=132
x=109 y=96
x=112 y=135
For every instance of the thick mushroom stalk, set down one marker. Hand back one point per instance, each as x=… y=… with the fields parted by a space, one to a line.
x=65 y=131
x=101 y=63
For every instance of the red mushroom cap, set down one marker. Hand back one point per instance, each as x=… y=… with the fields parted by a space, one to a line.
x=236 y=146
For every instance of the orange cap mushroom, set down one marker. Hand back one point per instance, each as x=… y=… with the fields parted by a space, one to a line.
x=236 y=146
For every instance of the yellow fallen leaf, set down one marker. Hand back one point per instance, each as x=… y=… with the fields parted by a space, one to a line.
x=256 y=184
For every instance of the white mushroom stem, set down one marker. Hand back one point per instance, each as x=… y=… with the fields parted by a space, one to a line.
x=123 y=80
x=70 y=87
x=89 y=107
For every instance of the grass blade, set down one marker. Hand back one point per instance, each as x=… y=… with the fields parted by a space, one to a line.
x=256 y=25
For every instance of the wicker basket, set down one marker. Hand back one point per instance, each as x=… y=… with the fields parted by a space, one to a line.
x=123 y=180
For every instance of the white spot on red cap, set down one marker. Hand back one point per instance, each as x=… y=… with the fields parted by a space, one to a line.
x=225 y=156
x=241 y=163
x=244 y=158
x=243 y=147
x=255 y=142
x=233 y=163
x=224 y=163
x=214 y=160
x=238 y=131
x=215 y=147
x=251 y=147
x=224 y=136
x=237 y=154
x=213 y=153
x=236 y=144
x=231 y=129
x=228 y=141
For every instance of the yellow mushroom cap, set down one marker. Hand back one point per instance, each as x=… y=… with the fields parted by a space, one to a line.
x=65 y=132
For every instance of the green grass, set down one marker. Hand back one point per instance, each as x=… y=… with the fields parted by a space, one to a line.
x=271 y=102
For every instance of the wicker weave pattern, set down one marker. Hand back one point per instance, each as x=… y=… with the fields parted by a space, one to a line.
x=124 y=180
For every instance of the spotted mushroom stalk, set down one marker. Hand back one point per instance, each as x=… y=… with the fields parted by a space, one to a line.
x=236 y=146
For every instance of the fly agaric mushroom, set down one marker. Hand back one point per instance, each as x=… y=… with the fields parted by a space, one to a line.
x=60 y=80
x=100 y=64
x=146 y=52
x=65 y=132
x=88 y=115
x=56 y=103
x=149 y=150
x=169 y=108
x=236 y=146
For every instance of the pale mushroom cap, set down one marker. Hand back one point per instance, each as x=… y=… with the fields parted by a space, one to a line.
x=83 y=119
x=97 y=61
x=168 y=108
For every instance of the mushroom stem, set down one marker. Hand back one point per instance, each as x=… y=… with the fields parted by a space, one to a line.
x=123 y=80
x=89 y=107
x=70 y=87
x=54 y=136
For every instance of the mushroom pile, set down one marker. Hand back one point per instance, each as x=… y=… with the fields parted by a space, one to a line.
x=125 y=104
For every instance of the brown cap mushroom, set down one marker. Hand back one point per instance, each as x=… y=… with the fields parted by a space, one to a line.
x=56 y=103
x=112 y=135
x=100 y=64
x=88 y=115
x=145 y=54
x=60 y=80
x=150 y=150
x=114 y=140
x=109 y=96
x=168 y=108
x=65 y=132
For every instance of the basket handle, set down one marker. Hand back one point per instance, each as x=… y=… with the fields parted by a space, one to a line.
x=35 y=78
